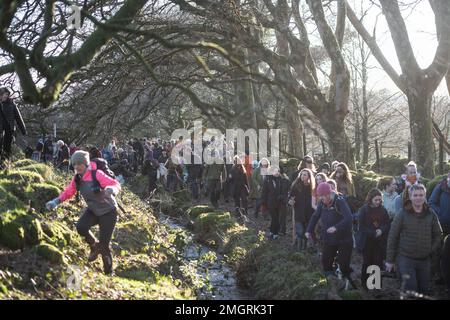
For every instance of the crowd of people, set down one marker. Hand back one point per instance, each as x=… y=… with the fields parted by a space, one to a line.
x=397 y=228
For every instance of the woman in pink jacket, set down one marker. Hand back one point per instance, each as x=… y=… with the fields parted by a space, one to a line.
x=98 y=190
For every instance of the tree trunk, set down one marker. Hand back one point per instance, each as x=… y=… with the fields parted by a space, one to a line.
x=295 y=131
x=338 y=141
x=419 y=102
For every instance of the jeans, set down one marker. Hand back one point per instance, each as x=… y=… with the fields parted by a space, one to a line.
x=418 y=272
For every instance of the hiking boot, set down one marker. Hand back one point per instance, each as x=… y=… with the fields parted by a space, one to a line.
x=95 y=251
x=107 y=262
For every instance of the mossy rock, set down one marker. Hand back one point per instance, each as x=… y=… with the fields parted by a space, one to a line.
x=364 y=182
x=59 y=235
x=211 y=227
x=431 y=184
x=8 y=201
x=137 y=267
x=24 y=177
x=133 y=237
x=19 y=229
x=50 y=253
x=19 y=190
x=33 y=229
x=12 y=234
x=214 y=221
x=42 y=169
x=24 y=163
x=391 y=165
x=194 y=212
x=40 y=193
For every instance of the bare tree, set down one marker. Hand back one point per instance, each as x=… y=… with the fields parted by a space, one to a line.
x=417 y=84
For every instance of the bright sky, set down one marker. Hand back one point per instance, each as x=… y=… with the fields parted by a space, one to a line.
x=419 y=19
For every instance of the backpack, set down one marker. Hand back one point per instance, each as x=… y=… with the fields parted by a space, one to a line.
x=101 y=165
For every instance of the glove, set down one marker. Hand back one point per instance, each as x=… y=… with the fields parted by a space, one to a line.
x=389 y=267
x=109 y=191
x=51 y=205
x=378 y=233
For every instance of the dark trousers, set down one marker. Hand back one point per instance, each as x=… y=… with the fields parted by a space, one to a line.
x=258 y=203
x=275 y=221
x=342 y=253
x=214 y=191
x=282 y=218
x=194 y=187
x=152 y=179
x=227 y=189
x=278 y=219
x=172 y=182
x=6 y=141
x=373 y=254
x=240 y=200
x=418 y=273
x=445 y=261
x=106 y=223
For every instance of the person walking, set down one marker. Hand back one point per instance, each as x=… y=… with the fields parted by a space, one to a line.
x=415 y=235
x=10 y=119
x=99 y=191
x=301 y=197
x=335 y=217
x=371 y=237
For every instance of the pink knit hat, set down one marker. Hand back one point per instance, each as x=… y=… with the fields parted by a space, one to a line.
x=323 y=189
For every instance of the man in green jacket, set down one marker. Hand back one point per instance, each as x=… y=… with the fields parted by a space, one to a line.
x=414 y=236
x=214 y=174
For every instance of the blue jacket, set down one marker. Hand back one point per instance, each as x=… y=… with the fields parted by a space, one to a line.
x=341 y=219
x=439 y=201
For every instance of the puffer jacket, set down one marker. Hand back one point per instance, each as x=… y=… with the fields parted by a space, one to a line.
x=414 y=235
x=440 y=202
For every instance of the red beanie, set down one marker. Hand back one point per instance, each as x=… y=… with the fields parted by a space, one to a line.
x=323 y=189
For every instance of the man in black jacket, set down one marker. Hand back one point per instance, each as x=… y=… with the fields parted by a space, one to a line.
x=9 y=117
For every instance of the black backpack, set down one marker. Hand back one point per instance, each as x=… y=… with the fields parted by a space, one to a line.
x=101 y=165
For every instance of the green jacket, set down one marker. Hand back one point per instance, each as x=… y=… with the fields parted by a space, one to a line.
x=214 y=172
x=256 y=184
x=413 y=235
